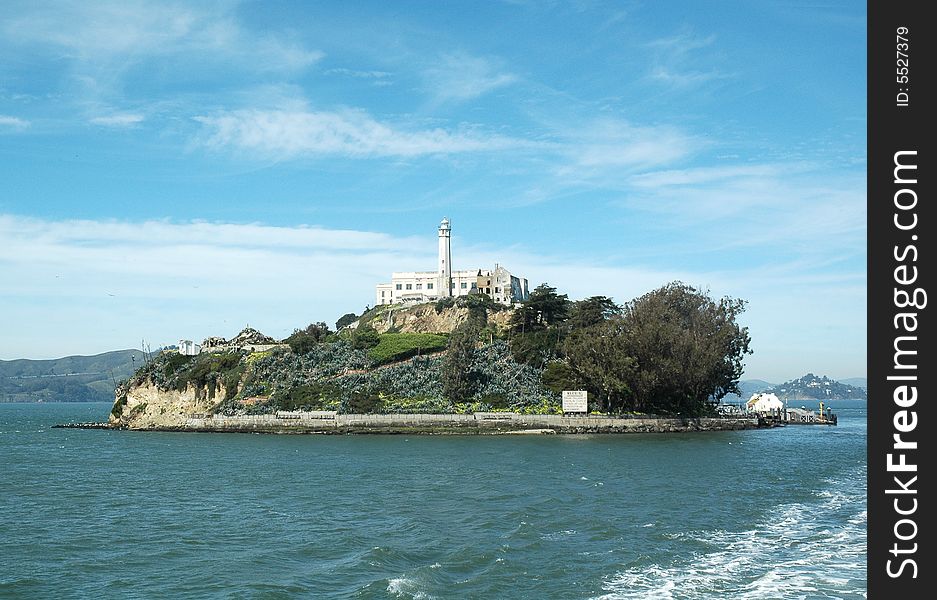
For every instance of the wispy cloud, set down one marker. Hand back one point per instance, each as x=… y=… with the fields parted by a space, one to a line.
x=112 y=282
x=358 y=73
x=118 y=120
x=349 y=132
x=601 y=150
x=678 y=60
x=459 y=77
x=786 y=206
x=9 y=122
x=127 y=32
x=99 y=285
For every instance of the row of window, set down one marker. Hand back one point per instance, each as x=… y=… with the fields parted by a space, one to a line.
x=419 y=286
x=429 y=286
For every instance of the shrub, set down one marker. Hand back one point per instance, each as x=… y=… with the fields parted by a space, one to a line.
x=312 y=396
x=365 y=337
x=394 y=347
x=302 y=341
x=444 y=303
x=345 y=320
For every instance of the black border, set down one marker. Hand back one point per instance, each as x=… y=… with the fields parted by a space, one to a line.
x=893 y=128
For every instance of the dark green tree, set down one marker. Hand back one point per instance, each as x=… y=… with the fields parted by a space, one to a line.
x=458 y=381
x=345 y=320
x=543 y=308
x=592 y=311
x=600 y=359
x=688 y=347
x=303 y=340
x=673 y=350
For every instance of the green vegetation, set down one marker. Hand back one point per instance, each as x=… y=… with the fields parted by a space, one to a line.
x=303 y=340
x=672 y=351
x=458 y=380
x=394 y=347
x=345 y=320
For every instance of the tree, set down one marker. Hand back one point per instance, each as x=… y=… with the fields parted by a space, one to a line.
x=601 y=360
x=673 y=350
x=458 y=382
x=345 y=320
x=303 y=340
x=689 y=347
x=543 y=308
x=592 y=311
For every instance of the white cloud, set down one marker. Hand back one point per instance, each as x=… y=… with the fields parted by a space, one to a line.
x=792 y=205
x=13 y=122
x=83 y=286
x=676 y=60
x=86 y=286
x=350 y=132
x=118 y=120
x=459 y=77
x=358 y=73
x=700 y=175
x=125 y=32
x=610 y=148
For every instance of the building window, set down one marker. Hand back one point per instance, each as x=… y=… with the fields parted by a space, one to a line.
x=497 y=290
x=464 y=285
x=419 y=286
x=409 y=286
x=399 y=287
x=474 y=285
x=429 y=286
x=382 y=293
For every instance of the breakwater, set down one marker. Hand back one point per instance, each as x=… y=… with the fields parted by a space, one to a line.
x=326 y=422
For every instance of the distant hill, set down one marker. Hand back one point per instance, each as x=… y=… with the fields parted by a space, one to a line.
x=857 y=382
x=69 y=379
x=813 y=387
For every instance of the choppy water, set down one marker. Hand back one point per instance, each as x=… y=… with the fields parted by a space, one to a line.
x=754 y=514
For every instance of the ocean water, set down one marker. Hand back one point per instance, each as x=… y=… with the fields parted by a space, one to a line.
x=112 y=514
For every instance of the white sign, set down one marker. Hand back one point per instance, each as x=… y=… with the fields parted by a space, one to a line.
x=575 y=401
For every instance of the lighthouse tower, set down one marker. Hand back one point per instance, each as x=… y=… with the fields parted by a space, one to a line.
x=445 y=259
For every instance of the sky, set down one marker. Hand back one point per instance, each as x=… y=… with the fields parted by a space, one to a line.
x=178 y=170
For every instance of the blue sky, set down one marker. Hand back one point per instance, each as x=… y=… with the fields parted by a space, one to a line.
x=182 y=169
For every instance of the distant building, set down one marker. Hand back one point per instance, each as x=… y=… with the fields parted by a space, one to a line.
x=426 y=286
x=189 y=348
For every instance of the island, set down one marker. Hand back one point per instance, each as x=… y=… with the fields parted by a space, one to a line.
x=466 y=364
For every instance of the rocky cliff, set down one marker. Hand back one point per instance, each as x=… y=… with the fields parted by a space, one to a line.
x=425 y=318
x=143 y=405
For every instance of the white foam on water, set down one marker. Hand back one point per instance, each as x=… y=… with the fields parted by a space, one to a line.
x=403 y=587
x=557 y=535
x=795 y=551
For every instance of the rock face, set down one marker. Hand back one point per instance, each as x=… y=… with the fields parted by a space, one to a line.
x=145 y=406
x=423 y=318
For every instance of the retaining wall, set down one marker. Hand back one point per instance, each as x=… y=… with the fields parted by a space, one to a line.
x=328 y=422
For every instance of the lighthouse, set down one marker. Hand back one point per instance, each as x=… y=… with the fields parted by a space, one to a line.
x=413 y=287
x=445 y=259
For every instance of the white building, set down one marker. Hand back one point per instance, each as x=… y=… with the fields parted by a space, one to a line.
x=764 y=403
x=425 y=286
x=189 y=348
